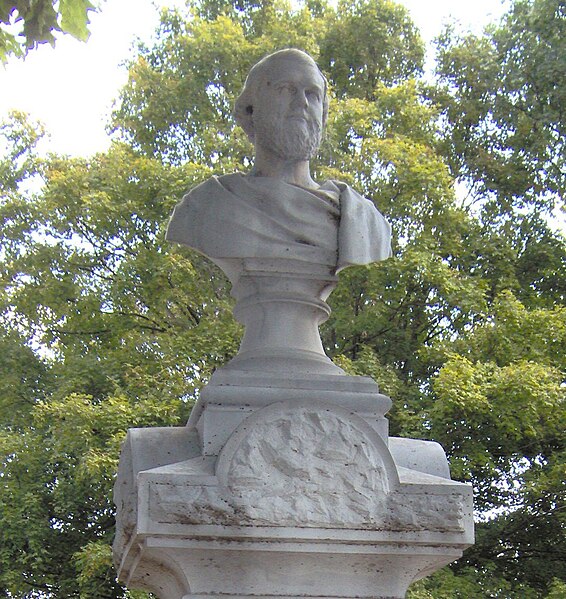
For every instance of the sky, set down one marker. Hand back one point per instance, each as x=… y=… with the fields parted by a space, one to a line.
x=71 y=88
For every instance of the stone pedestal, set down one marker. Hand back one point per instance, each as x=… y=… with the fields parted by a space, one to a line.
x=286 y=488
x=281 y=303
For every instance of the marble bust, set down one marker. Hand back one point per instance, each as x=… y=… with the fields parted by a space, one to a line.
x=277 y=211
x=278 y=235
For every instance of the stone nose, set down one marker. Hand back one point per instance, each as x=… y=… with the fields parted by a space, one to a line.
x=300 y=99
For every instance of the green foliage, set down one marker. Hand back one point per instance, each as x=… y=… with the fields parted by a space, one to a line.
x=107 y=327
x=503 y=95
x=19 y=139
x=391 y=51
x=25 y=24
x=468 y=584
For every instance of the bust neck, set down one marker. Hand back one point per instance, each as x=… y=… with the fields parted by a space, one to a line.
x=294 y=172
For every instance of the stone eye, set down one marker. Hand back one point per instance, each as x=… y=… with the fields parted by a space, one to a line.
x=288 y=87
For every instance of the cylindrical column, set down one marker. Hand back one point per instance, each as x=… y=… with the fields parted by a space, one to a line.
x=281 y=311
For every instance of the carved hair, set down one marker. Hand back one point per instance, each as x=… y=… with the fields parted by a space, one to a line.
x=243 y=108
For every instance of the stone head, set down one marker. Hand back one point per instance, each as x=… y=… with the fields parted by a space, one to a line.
x=284 y=96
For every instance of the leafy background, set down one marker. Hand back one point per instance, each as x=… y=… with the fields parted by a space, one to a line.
x=106 y=327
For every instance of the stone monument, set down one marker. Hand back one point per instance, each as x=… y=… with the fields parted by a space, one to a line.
x=285 y=482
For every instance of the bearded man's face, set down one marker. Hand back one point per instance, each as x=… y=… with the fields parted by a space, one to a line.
x=287 y=112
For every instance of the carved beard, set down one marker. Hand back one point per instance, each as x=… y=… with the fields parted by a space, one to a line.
x=290 y=139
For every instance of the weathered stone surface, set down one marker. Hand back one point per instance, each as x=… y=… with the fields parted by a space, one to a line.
x=232 y=395
x=145 y=449
x=297 y=482
x=294 y=464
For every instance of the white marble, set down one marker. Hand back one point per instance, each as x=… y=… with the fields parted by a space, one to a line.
x=285 y=482
x=233 y=395
x=280 y=236
x=299 y=485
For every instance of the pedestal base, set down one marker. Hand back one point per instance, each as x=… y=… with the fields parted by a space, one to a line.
x=304 y=499
x=233 y=395
x=341 y=568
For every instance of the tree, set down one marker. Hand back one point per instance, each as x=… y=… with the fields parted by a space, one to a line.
x=24 y=24
x=107 y=327
x=500 y=395
x=503 y=97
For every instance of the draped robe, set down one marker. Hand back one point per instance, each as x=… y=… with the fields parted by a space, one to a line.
x=238 y=217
